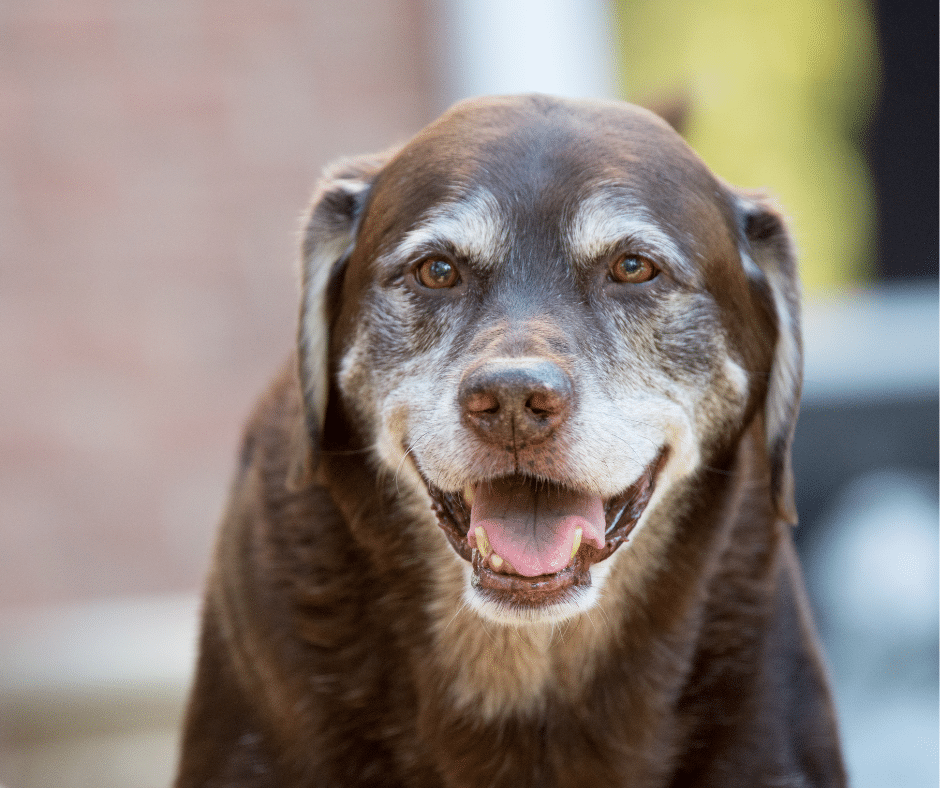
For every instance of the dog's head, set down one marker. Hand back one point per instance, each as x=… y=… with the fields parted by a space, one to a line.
x=548 y=315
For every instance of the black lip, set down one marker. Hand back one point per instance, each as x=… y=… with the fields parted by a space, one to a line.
x=622 y=513
x=452 y=516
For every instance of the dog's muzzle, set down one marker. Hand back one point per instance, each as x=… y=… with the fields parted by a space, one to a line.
x=530 y=539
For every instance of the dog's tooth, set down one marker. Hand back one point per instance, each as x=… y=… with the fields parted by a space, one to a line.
x=468 y=494
x=501 y=565
x=576 y=543
x=483 y=541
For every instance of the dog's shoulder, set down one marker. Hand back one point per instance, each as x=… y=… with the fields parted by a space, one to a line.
x=298 y=528
x=274 y=427
x=285 y=549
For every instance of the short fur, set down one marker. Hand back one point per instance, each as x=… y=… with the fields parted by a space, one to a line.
x=357 y=633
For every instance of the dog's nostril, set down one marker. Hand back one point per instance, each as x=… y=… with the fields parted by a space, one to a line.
x=544 y=404
x=482 y=402
x=530 y=405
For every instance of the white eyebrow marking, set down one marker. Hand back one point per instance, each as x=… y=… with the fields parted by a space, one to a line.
x=606 y=219
x=473 y=226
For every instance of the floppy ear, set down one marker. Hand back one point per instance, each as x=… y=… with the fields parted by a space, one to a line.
x=770 y=263
x=328 y=236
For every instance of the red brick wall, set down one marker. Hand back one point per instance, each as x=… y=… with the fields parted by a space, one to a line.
x=154 y=158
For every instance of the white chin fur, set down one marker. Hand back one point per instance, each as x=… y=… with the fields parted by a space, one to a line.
x=577 y=602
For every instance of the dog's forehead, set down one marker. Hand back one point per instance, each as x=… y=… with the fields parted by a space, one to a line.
x=587 y=169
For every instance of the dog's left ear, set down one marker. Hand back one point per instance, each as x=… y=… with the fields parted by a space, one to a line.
x=674 y=108
x=328 y=236
x=770 y=263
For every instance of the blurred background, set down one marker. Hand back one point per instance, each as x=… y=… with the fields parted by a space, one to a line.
x=154 y=161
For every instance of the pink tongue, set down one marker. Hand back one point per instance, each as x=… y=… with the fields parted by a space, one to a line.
x=533 y=527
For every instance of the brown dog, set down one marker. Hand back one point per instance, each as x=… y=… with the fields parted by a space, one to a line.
x=519 y=515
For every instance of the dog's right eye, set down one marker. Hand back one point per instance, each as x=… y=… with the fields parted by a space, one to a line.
x=437 y=273
x=632 y=269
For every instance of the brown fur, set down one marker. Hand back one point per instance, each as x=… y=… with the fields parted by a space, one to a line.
x=338 y=647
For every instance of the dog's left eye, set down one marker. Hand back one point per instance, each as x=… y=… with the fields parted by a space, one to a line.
x=633 y=269
x=437 y=273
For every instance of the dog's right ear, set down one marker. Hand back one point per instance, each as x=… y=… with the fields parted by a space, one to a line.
x=328 y=237
x=770 y=263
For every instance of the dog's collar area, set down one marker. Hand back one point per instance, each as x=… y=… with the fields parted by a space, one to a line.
x=495 y=577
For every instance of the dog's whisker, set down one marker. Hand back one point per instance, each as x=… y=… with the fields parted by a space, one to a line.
x=720 y=471
x=461 y=608
x=409 y=451
x=344 y=452
x=398 y=468
x=590 y=619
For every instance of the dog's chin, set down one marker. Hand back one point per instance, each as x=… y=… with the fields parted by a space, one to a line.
x=500 y=593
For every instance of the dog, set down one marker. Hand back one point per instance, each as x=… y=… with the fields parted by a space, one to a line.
x=518 y=511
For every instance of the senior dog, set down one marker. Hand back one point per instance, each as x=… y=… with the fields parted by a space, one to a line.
x=518 y=512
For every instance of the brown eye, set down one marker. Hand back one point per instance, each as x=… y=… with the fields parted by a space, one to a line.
x=632 y=269
x=437 y=273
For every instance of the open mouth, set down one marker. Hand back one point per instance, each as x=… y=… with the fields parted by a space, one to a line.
x=530 y=541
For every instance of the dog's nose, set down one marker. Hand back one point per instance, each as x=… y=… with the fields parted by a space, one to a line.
x=515 y=401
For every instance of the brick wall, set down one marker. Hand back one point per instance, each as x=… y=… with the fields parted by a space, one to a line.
x=154 y=158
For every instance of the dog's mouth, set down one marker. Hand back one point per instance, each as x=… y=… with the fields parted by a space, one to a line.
x=532 y=541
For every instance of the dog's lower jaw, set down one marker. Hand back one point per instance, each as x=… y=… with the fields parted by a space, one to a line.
x=549 y=599
x=501 y=595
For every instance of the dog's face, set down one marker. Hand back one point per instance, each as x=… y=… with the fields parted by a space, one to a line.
x=549 y=316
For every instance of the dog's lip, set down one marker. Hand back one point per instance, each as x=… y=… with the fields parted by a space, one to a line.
x=530 y=591
x=622 y=512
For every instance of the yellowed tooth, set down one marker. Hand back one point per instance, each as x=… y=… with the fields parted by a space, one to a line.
x=577 y=542
x=496 y=562
x=468 y=494
x=483 y=542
